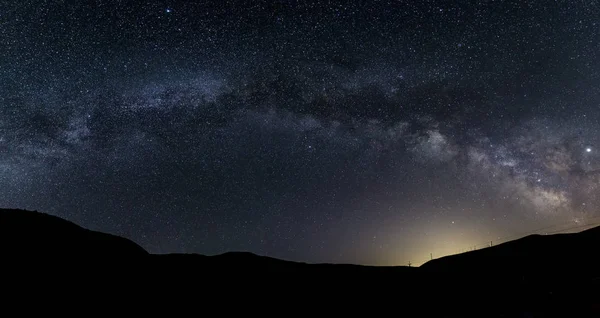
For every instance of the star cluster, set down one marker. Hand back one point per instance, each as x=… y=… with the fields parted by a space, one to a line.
x=371 y=133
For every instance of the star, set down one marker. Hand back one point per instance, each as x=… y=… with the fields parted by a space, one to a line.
x=275 y=139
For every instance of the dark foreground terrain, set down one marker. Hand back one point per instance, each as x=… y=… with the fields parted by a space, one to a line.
x=536 y=276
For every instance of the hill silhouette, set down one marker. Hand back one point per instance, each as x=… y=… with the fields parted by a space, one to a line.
x=245 y=263
x=534 y=276
x=34 y=234
x=536 y=271
x=529 y=255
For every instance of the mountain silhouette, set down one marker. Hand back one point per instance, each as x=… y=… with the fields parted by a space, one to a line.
x=530 y=256
x=34 y=234
x=540 y=271
x=535 y=276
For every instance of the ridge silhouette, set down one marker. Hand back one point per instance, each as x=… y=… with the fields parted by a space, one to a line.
x=534 y=276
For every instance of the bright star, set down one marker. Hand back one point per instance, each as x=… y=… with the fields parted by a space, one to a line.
x=588 y=149
x=168 y=10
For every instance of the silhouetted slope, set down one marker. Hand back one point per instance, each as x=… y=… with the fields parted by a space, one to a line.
x=531 y=277
x=32 y=234
x=554 y=273
x=530 y=257
x=248 y=263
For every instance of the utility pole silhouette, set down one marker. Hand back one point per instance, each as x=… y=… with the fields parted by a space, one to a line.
x=409 y=264
x=431 y=255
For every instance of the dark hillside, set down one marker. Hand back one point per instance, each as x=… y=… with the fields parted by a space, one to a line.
x=531 y=277
x=34 y=234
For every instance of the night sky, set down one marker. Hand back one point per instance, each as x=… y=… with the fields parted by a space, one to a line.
x=369 y=132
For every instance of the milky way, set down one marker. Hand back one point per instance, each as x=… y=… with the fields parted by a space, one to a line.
x=367 y=133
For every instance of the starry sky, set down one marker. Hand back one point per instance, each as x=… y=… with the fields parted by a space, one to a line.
x=369 y=132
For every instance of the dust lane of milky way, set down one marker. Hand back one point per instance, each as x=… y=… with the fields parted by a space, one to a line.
x=367 y=133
